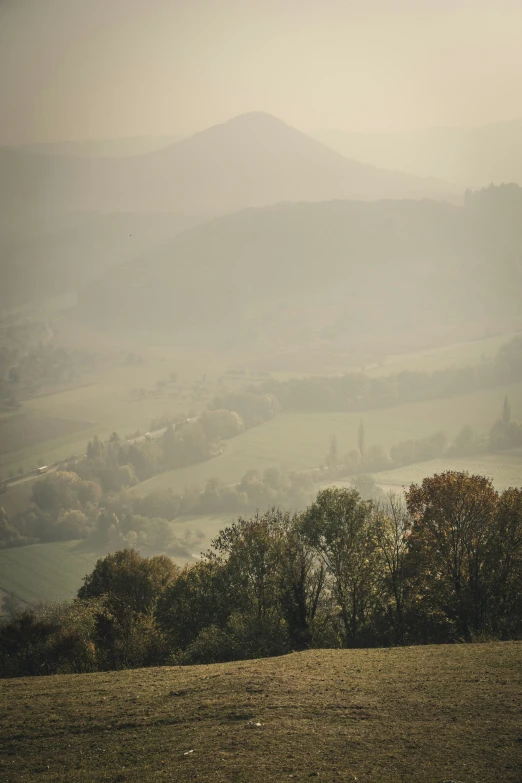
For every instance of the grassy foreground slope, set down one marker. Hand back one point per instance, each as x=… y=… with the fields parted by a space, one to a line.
x=412 y=714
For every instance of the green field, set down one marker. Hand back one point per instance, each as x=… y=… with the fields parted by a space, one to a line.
x=459 y=355
x=505 y=470
x=46 y=573
x=423 y=714
x=296 y=441
x=53 y=427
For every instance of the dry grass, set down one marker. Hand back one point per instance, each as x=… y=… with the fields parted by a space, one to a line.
x=414 y=714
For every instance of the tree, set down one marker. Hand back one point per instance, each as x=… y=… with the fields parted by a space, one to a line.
x=393 y=527
x=340 y=526
x=361 y=439
x=332 y=458
x=24 y=644
x=197 y=599
x=8 y=533
x=505 y=570
x=130 y=586
x=251 y=552
x=129 y=580
x=72 y=524
x=56 y=491
x=506 y=411
x=302 y=581
x=451 y=539
x=466 y=441
x=366 y=486
x=95 y=448
x=221 y=424
x=251 y=548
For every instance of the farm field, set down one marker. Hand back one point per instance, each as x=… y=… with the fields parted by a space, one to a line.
x=54 y=572
x=505 y=470
x=117 y=397
x=55 y=426
x=296 y=441
x=457 y=355
x=422 y=714
x=45 y=572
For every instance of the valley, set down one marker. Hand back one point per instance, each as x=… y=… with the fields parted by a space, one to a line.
x=260 y=391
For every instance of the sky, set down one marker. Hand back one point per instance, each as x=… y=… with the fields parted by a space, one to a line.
x=83 y=69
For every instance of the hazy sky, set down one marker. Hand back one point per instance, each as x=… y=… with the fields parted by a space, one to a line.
x=79 y=69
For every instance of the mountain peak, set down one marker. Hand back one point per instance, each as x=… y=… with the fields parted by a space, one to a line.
x=248 y=123
x=255 y=117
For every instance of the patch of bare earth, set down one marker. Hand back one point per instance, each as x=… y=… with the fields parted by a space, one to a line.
x=412 y=714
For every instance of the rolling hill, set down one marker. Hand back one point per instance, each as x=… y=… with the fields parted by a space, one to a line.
x=381 y=266
x=249 y=161
x=58 y=253
x=411 y=715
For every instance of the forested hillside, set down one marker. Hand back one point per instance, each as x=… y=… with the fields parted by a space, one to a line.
x=56 y=254
x=381 y=266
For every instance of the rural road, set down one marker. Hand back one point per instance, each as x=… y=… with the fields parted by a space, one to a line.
x=33 y=474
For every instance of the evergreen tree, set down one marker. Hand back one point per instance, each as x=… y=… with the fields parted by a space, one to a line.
x=506 y=411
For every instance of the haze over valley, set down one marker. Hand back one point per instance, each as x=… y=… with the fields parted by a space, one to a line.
x=261 y=387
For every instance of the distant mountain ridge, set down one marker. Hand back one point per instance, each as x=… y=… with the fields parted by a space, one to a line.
x=378 y=265
x=59 y=254
x=250 y=161
x=473 y=157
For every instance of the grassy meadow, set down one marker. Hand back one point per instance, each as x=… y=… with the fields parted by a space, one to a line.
x=401 y=715
x=505 y=469
x=47 y=573
x=462 y=354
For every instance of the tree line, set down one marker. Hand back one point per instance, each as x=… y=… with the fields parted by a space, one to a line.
x=356 y=391
x=442 y=565
x=65 y=507
x=88 y=497
x=505 y=433
x=30 y=363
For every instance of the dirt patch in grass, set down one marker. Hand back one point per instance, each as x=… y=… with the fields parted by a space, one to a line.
x=409 y=715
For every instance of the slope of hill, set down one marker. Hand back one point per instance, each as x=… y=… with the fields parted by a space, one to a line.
x=388 y=265
x=417 y=714
x=48 y=257
x=45 y=572
x=474 y=157
x=251 y=160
